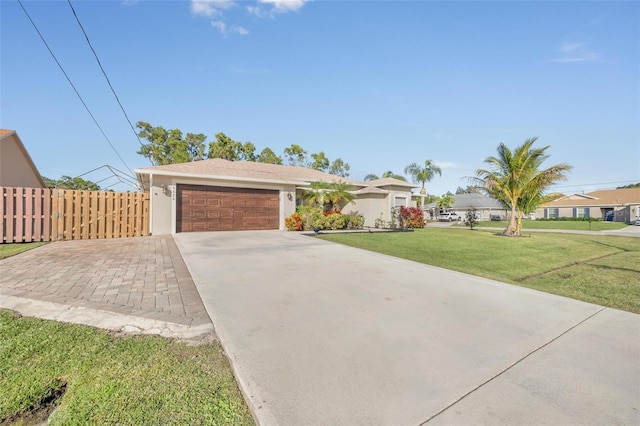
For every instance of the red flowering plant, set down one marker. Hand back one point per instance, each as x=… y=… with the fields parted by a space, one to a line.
x=411 y=217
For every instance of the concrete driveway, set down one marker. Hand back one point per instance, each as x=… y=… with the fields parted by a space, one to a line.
x=323 y=334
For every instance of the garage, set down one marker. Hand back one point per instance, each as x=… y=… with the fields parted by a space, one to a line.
x=218 y=208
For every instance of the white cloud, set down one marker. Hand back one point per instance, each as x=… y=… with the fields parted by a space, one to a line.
x=576 y=52
x=228 y=29
x=264 y=9
x=276 y=6
x=445 y=164
x=210 y=7
x=284 y=6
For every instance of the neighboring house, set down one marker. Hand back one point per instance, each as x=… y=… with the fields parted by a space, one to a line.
x=616 y=205
x=16 y=167
x=485 y=206
x=219 y=195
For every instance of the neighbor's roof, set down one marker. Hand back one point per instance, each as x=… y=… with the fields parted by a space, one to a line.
x=245 y=170
x=610 y=197
x=6 y=135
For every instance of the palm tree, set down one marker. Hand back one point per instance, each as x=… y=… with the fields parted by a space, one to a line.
x=423 y=174
x=371 y=176
x=316 y=195
x=515 y=179
x=339 y=194
x=446 y=201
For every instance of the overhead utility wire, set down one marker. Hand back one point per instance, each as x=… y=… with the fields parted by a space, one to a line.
x=74 y=87
x=105 y=74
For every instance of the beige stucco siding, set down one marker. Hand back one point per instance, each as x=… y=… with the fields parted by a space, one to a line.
x=15 y=168
x=371 y=206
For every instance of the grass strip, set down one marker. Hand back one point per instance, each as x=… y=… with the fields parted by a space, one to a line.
x=133 y=380
x=12 y=249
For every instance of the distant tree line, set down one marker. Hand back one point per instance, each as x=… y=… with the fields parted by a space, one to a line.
x=631 y=185
x=68 y=182
x=169 y=146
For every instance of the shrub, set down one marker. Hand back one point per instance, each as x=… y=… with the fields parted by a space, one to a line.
x=411 y=217
x=355 y=221
x=293 y=222
x=309 y=215
x=470 y=218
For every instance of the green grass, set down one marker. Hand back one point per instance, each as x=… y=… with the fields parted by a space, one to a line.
x=134 y=380
x=570 y=225
x=12 y=249
x=598 y=269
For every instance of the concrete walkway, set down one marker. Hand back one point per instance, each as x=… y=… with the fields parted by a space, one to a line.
x=324 y=334
x=131 y=285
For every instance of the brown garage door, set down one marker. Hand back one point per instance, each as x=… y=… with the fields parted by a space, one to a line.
x=217 y=208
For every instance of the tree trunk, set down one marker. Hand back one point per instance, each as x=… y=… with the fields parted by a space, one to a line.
x=512 y=227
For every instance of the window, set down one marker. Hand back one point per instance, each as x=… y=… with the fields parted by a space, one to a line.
x=551 y=213
x=400 y=201
x=581 y=212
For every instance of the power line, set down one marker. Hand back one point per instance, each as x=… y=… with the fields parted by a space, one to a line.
x=594 y=184
x=74 y=87
x=105 y=74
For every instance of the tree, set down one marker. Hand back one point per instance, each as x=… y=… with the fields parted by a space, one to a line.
x=327 y=195
x=296 y=155
x=371 y=176
x=168 y=146
x=268 y=156
x=423 y=174
x=195 y=146
x=446 y=201
x=320 y=162
x=339 y=194
x=631 y=185
x=247 y=152
x=224 y=147
x=68 y=182
x=316 y=195
x=339 y=168
x=515 y=179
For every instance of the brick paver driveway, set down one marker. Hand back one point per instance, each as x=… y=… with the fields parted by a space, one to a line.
x=144 y=277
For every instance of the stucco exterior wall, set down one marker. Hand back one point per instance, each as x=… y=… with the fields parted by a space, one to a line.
x=15 y=169
x=163 y=199
x=371 y=206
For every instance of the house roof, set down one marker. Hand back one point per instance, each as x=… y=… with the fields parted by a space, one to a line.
x=371 y=190
x=390 y=182
x=5 y=136
x=260 y=172
x=610 y=197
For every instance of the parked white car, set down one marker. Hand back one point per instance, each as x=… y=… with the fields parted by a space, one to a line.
x=447 y=216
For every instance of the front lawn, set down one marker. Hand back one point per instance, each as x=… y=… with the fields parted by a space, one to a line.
x=102 y=379
x=597 y=269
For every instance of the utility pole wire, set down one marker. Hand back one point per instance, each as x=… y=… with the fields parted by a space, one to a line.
x=105 y=74
x=74 y=87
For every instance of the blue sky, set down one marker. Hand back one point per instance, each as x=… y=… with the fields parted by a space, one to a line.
x=379 y=84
